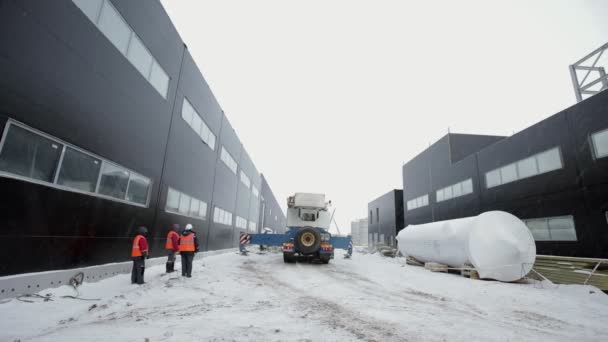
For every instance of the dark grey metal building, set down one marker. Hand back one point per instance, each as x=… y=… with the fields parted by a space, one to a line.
x=553 y=175
x=385 y=218
x=271 y=214
x=107 y=123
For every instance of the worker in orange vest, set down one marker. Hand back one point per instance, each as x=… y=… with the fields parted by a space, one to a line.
x=139 y=253
x=172 y=247
x=188 y=245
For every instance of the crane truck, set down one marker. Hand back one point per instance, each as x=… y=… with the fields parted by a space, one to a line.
x=307 y=237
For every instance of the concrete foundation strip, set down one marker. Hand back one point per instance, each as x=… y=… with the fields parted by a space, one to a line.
x=31 y=283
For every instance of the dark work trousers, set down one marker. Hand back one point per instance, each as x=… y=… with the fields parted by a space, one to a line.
x=187 y=258
x=170 y=265
x=139 y=265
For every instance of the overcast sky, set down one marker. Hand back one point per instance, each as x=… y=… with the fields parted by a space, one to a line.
x=335 y=96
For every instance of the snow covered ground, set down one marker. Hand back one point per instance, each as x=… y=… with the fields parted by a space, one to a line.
x=258 y=298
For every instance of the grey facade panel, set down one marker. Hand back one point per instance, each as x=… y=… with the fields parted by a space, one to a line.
x=61 y=76
x=271 y=213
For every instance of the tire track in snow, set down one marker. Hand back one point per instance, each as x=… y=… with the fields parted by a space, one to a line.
x=330 y=313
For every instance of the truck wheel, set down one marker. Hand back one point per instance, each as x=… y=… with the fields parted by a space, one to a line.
x=308 y=240
x=289 y=258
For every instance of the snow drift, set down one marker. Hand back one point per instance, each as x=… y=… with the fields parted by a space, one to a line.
x=496 y=243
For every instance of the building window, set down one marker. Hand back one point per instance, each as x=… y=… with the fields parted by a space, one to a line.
x=371 y=219
x=114 y=181
x=222 y=216
x=109 y=21
x=377 y=215
x=560 y=228
x=245 y=180
x=255 y=191
x=599 y=141
x=455 y=190
x=30 y=155
x=182 y=204
x=138 y=189
x=537 y=164
x=253 y=226
x=418 y=202
x=241 y=222
x=172 y=204
x=193 y=118
x=37 y=157
x=79 y=171
x=228 y=160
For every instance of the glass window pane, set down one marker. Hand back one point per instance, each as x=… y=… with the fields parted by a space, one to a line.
x=447 y=193
x=187 y=112
x=139 y=56
x=425 y=200
x=159 y=79
x=172 y=200
x=600 y=143
x=549 y=161
x=114 y=181
x=194 y=204
x=527 y=167
x=562 y=229
x=539 y=229
x=211 y=141
x=440 y=196
x=202 y=210
x=216 y=215
x=467 y=187
x=30 y=155
x=184 y=204
x=196 y=123
x=90 y=8
x=138 y=189
x=79 y=171
x=508 y=173
x=493 y=178
x=114 y=27
x=457 y=190
x=204 y=133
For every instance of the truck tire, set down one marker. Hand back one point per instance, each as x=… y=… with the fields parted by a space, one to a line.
x=289 y=258
x=308 y=240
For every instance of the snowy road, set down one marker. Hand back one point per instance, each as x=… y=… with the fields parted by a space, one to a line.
x=258 y=298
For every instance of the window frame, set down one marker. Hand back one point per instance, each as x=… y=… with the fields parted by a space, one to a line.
x=516 y=163
x=594 y=146
x=53 y=184
x=203 y=123
x=177 y=212
x=236 y=165
x=95 y=21
x=546 y=220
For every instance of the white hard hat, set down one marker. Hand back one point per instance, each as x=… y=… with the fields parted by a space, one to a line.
x=188 y=226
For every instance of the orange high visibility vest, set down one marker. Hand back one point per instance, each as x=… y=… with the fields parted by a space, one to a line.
x=169 y=243
x=186 y=243
x=135 y=252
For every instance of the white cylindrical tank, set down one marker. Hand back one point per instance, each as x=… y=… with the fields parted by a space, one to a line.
x=496 y=243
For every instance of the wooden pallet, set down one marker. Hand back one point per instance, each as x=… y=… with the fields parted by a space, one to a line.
x=436 y=267
x=571 y=270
